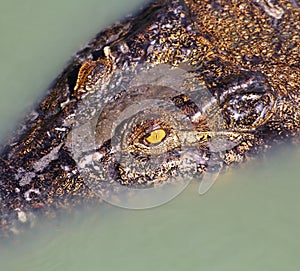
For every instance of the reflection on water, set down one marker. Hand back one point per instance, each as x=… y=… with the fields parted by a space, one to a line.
x=247 y=221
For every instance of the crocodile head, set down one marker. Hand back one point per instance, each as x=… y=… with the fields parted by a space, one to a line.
x=160 y=124
x=180 y=91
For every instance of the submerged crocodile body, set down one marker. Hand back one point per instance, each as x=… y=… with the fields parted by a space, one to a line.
x=207 y=83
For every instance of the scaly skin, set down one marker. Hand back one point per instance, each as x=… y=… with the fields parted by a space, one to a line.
x=243 y=55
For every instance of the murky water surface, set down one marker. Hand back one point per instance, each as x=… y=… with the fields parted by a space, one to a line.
x=248 y=221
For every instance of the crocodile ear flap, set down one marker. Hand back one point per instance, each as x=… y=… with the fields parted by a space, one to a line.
x=246 y=100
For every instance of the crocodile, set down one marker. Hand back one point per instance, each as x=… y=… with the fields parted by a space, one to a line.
x=182 y=88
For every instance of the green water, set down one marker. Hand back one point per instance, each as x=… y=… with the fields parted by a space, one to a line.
x=248 y=221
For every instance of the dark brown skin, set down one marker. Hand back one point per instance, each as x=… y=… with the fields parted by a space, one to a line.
x=245 y=53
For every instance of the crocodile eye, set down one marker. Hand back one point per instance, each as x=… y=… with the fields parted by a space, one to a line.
x=155 y=137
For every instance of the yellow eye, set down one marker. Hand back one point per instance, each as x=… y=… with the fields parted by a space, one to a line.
x=156 y=136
